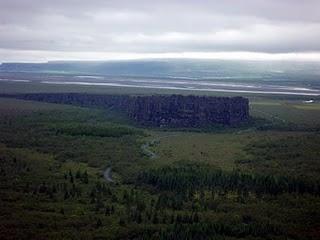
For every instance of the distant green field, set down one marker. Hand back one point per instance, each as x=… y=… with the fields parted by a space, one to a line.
x=217 y=149
x=287 y=111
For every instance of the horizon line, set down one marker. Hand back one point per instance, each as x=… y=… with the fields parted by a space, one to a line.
x=28 y=56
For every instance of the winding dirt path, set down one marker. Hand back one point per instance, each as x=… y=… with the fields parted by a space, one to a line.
x=107 y=175
x=146 y=146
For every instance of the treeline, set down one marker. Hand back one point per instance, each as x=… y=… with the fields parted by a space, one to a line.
x=96 y=131
x=212 y=230
x=77 y=99
x=191 y=177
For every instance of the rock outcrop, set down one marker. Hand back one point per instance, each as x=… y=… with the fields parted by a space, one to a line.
x=160 y=110
x=188 y=111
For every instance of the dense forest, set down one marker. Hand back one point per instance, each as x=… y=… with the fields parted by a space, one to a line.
x=189 y=177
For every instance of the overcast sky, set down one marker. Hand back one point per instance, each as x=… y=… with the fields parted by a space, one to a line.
x=39 y=30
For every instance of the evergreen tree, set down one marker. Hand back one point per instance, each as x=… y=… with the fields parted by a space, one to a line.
x=78 y=174
x=98 y=223
x=85 y=178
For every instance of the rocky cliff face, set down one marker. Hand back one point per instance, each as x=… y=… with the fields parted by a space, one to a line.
x=188 y=111
x=161 y=111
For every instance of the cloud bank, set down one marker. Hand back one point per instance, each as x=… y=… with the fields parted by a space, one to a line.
x=37 y=30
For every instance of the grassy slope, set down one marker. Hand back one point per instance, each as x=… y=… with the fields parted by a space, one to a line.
x=287 y=111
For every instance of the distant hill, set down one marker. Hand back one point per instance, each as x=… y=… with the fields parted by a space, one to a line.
x=274 y=71
x=101 y=68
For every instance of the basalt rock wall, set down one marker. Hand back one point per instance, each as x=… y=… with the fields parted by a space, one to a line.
x=160 y=110
x=188 y=111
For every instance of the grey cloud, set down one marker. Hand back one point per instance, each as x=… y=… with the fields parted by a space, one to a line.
x=160 y=26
